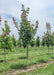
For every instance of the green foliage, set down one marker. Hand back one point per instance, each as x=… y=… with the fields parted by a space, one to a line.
x=38 y=42
x=10 y=45
x=32 y=42
x=26 y=31
x=24 y=44
x=2 y=45
x=19 y=43
x=6 y=26
x=48 y=41
x=6 y=42
x=43 y=41
x=14 y=41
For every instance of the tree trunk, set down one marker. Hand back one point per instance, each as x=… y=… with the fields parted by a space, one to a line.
x=4 y=56
x=27 y=55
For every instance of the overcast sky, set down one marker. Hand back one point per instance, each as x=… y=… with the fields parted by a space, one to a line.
x=41 y=10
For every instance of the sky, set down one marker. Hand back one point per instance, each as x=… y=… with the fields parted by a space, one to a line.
x=41 y=10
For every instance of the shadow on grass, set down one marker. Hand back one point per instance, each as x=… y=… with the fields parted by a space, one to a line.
x=53 y=74
x=22 y=57
x=18 y=66
x=48 y=53
x=52 y=57
x=3 y=53
x=42 y=61
x=1 y=61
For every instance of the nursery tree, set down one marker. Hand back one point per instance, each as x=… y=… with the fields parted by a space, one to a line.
x=47 y=35
x=52 y=41
x=26 y=31
x=52 y=44
x=32 y=42
x=14 y=41
x=6 y=37
x=6 y=42
x=43 y=42
x=19 y=43
x=38 y=42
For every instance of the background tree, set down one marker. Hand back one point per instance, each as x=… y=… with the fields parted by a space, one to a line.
x=14 y=41
x=52 y=44
x=6 y=42
x=43 y=41
x=38 y=42
x=19 y=43
x=32 y=42
x=47 y=35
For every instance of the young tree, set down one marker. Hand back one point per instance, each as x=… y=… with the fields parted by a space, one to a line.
x=38 y=42
x=52 y=43
x=52 y=40
x=32 y=42
x=19 y=43
x=47 y=35
x=14 y=41
x=43 y=42
x=26 y=31
x=6 y=42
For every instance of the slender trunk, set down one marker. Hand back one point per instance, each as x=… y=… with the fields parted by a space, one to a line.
x=27 y=55
x=4 y=56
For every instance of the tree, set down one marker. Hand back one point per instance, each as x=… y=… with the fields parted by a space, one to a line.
x=43 y=42
x=19 y=43
x=38 y=42
x=26 y=31
x=52 y=44
x=14 y=41
x=47 y=35
x=32 y=42
x=6 y=42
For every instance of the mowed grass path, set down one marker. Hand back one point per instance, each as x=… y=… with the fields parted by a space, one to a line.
x=49 y=70
x=16 y=59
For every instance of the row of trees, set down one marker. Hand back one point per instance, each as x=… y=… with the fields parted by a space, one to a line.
x=26 y=32
x=10 y=40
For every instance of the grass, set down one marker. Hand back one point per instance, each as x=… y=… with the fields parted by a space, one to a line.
x=21 y=53
x=49 y=70
x=16 y=59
